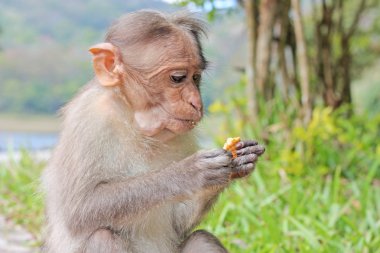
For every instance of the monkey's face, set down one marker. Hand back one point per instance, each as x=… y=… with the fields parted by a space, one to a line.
x=160 y=81
x=172 y=95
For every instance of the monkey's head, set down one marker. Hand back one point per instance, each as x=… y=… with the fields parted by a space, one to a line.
x=155 y=62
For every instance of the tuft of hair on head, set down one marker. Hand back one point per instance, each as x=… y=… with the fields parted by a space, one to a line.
x=196 y=26
x=189 y=21
x=148 y=26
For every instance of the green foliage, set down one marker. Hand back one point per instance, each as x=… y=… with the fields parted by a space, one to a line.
x=202 y=4
x=274 y=213
x=20 y=198
x=330 y=141
x=315 y=190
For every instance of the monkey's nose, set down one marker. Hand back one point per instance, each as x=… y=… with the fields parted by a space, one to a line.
x=195 y=102
x=196 y=106
x=194 y=99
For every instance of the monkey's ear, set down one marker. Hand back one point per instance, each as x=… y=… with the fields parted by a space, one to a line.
x=107 y=64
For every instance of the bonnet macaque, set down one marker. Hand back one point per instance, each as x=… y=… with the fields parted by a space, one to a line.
x=126 y=175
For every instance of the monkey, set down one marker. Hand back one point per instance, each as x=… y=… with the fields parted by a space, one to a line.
x=127 y=175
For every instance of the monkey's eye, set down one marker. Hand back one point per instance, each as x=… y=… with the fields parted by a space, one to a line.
x=178 y=77
x=197 y=78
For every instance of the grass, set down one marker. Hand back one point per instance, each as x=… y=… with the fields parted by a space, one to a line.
x=268 y=212
x=273 y=213
x=20 y=199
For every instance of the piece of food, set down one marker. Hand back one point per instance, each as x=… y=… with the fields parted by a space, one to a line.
x=230 y=145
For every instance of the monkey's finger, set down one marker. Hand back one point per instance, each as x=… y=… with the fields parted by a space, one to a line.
x=257 y=149
x=214 y=153
x=243 y=144
x=218 y=177
x=243 y=170
x=240 y=160
x=223 y=160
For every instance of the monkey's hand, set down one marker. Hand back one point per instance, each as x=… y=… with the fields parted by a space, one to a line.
x=247 y=155
x=208 y=168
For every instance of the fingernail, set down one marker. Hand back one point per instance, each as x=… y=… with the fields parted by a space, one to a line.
x=239 y=145
x=260 y=150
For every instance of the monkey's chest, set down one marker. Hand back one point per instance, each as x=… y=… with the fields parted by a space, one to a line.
x=156 y=232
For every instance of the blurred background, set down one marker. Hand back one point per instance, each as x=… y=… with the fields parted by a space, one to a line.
x=300 y=76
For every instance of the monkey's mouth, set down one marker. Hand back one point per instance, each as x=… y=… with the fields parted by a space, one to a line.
x=180 y=125
x=185 y=123
x=188 y=122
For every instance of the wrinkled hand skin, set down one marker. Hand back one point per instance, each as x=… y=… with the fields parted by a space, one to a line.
x=208 y=168
x=216 y=168
x=248 y=153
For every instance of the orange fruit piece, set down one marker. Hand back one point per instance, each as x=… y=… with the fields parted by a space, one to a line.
x=230 y=145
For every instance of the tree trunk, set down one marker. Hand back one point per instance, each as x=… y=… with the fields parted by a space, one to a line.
x=346 y=71
x=324 y=30
x=283 y=22
x=267 y=11
x=303 y=61
x=335 y=74
x=250 y=9
x=346 y=57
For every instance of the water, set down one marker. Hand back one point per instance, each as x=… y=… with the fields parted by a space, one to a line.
x=27 y=140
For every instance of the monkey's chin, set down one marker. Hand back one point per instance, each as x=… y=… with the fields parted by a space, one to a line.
x=168 y=134
x=164 y=131
x=165 y=135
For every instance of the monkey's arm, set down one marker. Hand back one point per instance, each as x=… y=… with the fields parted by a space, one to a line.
x=189 y=212
x=107 y=202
